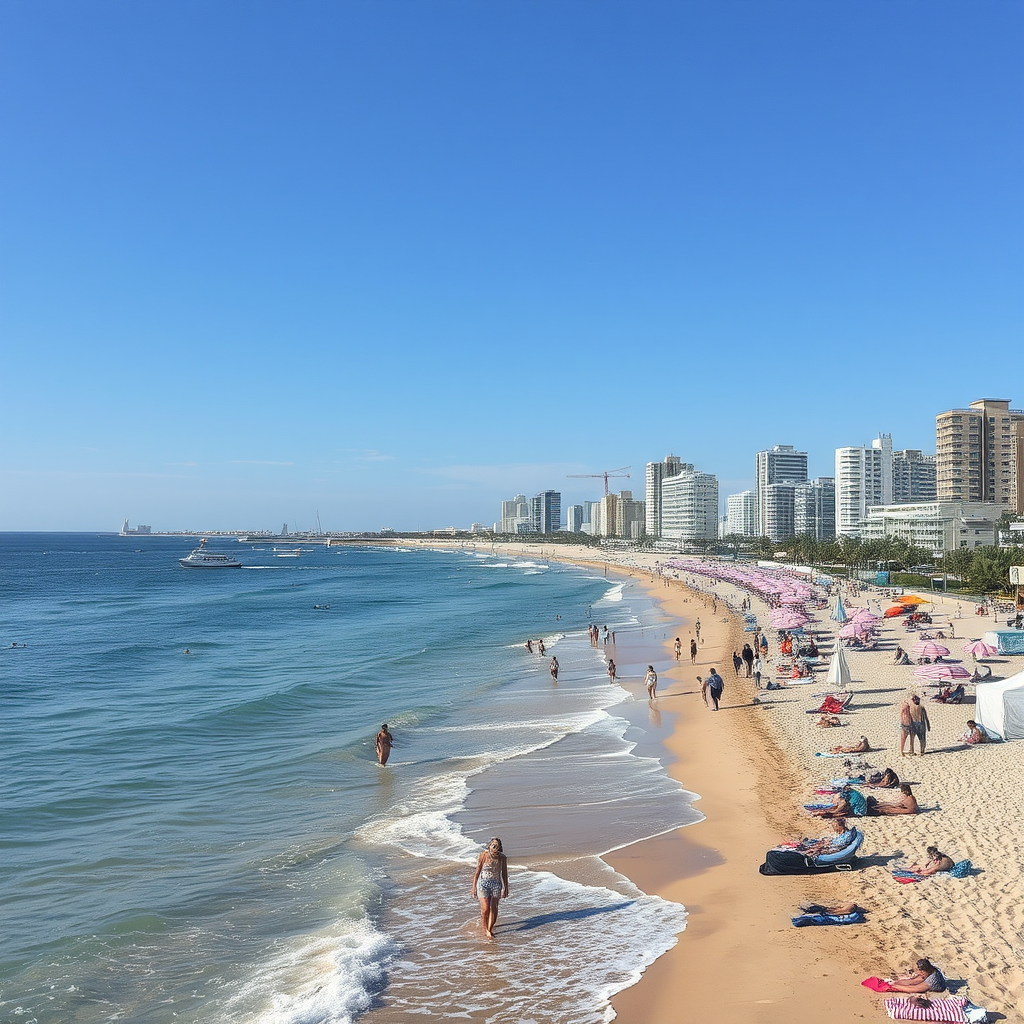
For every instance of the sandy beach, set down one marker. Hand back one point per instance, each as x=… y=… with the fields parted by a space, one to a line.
x=754 y=766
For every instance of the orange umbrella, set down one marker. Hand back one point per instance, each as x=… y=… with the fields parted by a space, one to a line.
x=912 y=599
x=892 y=613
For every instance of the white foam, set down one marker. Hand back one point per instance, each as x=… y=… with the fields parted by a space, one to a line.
x=327 y=977
x=613 y=593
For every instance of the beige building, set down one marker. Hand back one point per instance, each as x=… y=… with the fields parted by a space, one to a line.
x=979 y=454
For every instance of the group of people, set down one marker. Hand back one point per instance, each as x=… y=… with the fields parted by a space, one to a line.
x=749 y=662
x=596 y=638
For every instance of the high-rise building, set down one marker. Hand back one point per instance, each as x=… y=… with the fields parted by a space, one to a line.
x=656 y=473
x=780 y=465
x=863 y=478
x=814 y=508
x=741 y=514
x=913 y=476
x=777 y=512
x=630 y=516
x=979 y=454
x=546 y=507
x=574 y=518
x=516 y=515
x=689 y=505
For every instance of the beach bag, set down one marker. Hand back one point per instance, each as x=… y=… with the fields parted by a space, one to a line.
x=961 y=869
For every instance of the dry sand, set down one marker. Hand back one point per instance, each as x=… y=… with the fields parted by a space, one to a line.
x=753 y=765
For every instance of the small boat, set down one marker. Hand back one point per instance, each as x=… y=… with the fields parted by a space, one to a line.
x=200 y=558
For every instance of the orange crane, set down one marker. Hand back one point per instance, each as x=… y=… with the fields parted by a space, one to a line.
x=597 y=476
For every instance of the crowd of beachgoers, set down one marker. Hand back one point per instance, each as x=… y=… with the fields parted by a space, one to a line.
x=870 y=692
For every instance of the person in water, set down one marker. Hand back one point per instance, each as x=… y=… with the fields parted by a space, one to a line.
x=385 y=741
x=490 y=883
x=611 y=671
x=553 y=668
x=651 y=681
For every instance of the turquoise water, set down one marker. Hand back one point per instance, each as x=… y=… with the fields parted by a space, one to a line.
x=207 y=836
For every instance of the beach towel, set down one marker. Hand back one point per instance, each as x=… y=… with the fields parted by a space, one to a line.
x=961 y=869
x=805 y=919
x=906 y=1008
x=858 y=803
x=816 y=807
x=877 y=984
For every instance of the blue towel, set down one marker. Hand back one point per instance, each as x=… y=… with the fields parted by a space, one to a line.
x=805 y=919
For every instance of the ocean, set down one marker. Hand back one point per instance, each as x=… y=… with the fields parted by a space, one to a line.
x=208 y=837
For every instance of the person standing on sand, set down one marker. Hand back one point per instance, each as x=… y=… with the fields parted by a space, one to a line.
x=715 y=687
x=385 y=741
x=553 y=668
x=490 y=884
x=919 y=724
x=905 y=728
x=696 y=626
x=757 y=667
x=737 y=663
x=693 y=651
x=651 y=681
x=678 y=648
x=611 y=671
x=747 y=654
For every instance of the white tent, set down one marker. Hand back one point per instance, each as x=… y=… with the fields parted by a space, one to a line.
x=1001 y=707
x=839 y=669
x=839 y=612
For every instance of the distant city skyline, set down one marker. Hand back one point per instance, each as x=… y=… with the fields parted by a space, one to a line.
x=393 y=264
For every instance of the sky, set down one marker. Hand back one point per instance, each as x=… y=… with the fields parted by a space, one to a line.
x=391 y=262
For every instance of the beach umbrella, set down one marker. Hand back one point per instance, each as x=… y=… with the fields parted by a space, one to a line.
x=839 y=669
x=863 y=615
x=941 y=672
x=929 y=649
x=979 y=649
x=893 y=613
x=912 y=599
x=793 y=599
x=839 y=612
x=850 y=630
x=787 y=619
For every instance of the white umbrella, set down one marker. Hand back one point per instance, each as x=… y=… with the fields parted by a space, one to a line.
x=839 y=670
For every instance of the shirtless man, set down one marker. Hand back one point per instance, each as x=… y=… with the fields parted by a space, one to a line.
x=919 y=724
x=385 y=741
x=905 y=728
x=906 y=804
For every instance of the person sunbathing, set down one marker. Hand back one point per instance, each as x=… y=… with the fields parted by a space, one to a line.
x=883 y=780
x=937 y=861
x=900 y=657
x=842 y=836
x=839 y=808
x=828 y=722
x=860 y=747
x=975 y=733
x=977 y=676
x=926 y=977
x=951 y=694
x=832 y=909
x=906 y=804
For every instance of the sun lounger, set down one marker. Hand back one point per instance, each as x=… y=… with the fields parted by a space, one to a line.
x=793 y=862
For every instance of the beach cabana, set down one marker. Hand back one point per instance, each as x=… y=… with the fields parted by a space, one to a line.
x=839 y=670
x=1001 y=707
x=839 y=612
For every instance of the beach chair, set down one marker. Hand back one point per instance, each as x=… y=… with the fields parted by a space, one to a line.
x=793 y=862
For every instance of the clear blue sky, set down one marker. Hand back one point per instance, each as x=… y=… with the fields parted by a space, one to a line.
x=393 y=261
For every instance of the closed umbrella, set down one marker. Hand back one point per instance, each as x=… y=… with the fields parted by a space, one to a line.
x=942 y=672
x=929 y=649
x=839 y=669
x=839 y=612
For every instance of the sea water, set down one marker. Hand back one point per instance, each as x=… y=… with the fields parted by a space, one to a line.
x=208 y=837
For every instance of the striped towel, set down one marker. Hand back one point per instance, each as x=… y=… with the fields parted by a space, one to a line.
x=950 y=1009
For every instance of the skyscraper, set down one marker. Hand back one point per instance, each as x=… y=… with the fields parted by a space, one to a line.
x=741 y=514
x=780 y=465
x=979 y=454
x=657 y=472
x=863 y=478
x=574 y=518
x=689 y=509
x=814 y=508
x=913 y=476
x=547 y=511
x=516 y=515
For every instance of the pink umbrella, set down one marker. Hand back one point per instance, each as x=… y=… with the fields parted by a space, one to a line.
x=786 y=619
x=793 y=599
x=863 y=615
x=979 y=649
x=852 y=629
x=942 y=671
x=929 y=649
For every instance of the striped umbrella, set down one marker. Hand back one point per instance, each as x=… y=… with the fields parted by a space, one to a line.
x=852 y=629
x=929 y=649
x=979 y=649
x=942 y=672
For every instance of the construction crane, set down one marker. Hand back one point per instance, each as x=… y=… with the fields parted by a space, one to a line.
x=597 y=476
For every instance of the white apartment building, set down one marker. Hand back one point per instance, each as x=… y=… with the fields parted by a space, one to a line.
x=655 y=474
x=516 y=515
x=689 y=505
x=814 y=508
x=939 y=526
x=741 y=514
x=782 y=464
x=863 y=479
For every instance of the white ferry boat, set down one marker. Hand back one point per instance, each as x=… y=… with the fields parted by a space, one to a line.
x=200 y=558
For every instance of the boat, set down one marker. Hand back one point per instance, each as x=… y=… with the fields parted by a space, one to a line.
x=201 y=558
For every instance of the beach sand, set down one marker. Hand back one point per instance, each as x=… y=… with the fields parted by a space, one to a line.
x=754 y=766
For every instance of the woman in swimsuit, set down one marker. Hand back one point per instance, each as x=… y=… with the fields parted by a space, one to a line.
x=490 y=883
x=926 y=978
x=937 y=861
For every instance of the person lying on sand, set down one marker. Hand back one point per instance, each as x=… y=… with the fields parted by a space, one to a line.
x=925 y=977
x=832 y=909
x=840 y=807
x=937 y=861
x=828 y=722
x=905 y=804
x=883 y=780
x=860 y=747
